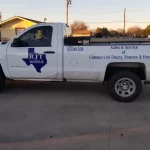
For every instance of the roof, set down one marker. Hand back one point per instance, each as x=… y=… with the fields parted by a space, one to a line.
x=35 y=21
x=21 y=18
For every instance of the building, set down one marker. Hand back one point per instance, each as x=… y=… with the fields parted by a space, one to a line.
x=82 y=33
x=11 y=27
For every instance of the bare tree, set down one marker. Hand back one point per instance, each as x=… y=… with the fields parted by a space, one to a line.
x=134 y=31
x=78 y=26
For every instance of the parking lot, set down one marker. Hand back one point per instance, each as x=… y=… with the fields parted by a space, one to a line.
x=78 y=116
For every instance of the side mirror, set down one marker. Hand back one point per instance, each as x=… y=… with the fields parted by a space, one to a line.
x=16 y=43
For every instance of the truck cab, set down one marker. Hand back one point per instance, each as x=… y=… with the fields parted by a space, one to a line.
x=36 y=53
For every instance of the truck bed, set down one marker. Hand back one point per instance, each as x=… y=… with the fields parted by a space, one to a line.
x=85 y=41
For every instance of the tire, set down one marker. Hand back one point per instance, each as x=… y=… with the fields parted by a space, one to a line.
x=125 y=86
x=2 y=82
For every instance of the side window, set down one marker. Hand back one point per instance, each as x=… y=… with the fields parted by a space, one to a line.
x=37 y=37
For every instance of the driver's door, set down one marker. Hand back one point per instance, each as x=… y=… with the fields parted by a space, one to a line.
x=35 y=57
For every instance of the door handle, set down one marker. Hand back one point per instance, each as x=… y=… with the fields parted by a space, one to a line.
x=49 y=52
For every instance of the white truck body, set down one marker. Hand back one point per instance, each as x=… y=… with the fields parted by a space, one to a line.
x=56 y=62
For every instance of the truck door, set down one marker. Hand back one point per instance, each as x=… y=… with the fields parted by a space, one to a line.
x=33 y=55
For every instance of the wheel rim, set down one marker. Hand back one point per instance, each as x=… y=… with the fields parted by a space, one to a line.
x=125 y=87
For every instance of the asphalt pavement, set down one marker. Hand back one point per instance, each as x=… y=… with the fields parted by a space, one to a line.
x=71 y=116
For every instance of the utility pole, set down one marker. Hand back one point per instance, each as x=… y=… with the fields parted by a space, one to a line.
x=68 y=2
x=0 y=17
x=124 y=33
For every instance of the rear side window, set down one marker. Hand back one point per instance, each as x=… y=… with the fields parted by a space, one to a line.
x=37 y=37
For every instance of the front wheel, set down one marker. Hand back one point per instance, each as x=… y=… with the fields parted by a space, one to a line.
x=125 y=86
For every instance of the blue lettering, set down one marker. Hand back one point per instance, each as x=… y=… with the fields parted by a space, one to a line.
x=124 y=47
x=116 y=57
x=71 y=48
x=35 y=59
x=115 y=47
x=131 y=47
x=99 y=57
x=130 y=57
x=146 y=57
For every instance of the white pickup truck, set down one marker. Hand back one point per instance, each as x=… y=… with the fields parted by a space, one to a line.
x=47 y=52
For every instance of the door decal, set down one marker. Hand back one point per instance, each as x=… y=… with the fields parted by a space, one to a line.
x=35 y=59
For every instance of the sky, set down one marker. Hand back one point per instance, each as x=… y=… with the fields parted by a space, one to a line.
x=96 y=13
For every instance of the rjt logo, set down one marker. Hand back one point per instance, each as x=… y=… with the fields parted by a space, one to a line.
x=35 y=57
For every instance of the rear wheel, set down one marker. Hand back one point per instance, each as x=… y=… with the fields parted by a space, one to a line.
x=125 y=86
